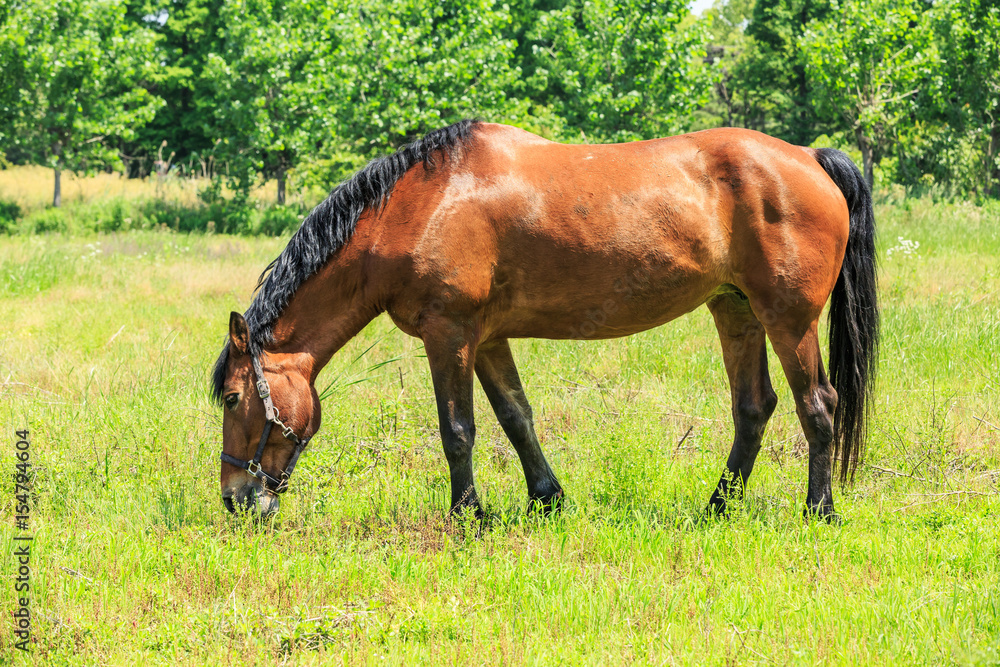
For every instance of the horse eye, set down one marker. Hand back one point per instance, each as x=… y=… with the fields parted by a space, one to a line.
x=232 y=400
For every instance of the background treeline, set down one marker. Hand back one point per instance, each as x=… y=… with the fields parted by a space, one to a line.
x=239 y=92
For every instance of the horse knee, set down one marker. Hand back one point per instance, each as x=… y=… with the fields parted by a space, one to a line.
x=516 y=416
x=754 y=411
x=527 y=414
x=458 y=438
x=768 y=402
x=516 y=408
x=816 y=415
x=509 y=414
x=829 y=397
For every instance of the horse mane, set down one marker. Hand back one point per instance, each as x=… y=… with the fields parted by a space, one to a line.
x=327 y=228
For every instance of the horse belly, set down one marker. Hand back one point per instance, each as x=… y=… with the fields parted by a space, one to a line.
x=597 y=298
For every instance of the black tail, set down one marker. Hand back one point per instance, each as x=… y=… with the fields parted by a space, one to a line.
x=854 y=315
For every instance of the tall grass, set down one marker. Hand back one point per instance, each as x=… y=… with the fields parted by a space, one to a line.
x=105 y=347
x=30 y=187
x=111 y=203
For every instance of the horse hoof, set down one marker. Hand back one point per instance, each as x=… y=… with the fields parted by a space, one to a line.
x=463 y=510
x=717 y=507
x=546 y=505
x=824 y=514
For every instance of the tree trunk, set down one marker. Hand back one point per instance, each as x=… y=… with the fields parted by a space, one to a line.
x=727 y=97
x=281 y=187
x=866 y=156
x=991 y=156
x=57 y=195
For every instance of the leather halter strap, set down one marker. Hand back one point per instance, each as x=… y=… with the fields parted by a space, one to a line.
x=270 y=482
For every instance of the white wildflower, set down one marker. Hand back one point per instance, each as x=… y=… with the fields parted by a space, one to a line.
x=905 y=246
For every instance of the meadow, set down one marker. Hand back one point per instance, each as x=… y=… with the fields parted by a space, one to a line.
x=106 y=341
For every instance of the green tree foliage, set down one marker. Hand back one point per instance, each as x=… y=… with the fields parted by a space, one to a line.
x=624 y=70
x=266 y=108
x=869 y=62
x=728 y=43
x=312 y=88
x=772 y=72
x=399 y=69
x=339 y=82
x=189 y=31
x=968 y=88
x=72 y=84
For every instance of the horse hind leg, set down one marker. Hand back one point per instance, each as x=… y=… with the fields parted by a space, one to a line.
x=498 y=376
x=796 y=342
x=744 y=353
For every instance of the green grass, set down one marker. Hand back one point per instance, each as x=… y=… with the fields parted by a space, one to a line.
x=105 y=346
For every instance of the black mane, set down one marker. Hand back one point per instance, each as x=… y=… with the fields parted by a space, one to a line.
x=326 y=229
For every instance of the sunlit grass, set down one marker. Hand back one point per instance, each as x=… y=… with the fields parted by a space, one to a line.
x=31 y=188
x=110 y=203
x=105 y=346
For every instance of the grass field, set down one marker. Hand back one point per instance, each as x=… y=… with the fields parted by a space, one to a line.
x=105 y=347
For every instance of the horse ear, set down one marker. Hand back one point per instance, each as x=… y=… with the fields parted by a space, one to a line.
x=239 y=333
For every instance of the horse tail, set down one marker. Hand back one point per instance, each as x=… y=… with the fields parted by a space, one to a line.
x=854 y=315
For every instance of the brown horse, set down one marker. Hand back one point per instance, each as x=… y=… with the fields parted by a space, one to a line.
x=480 y=233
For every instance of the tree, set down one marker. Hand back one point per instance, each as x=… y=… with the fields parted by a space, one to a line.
x=728 y=47
x=188 y=31
x=314 y=78
x=771 y=73
x=266 y=109
x=399 y=69
x=73 y=73
x=968 y=35
x=868 y=61
x=621 y=70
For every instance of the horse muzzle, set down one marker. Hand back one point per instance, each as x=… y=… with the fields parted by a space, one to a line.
x=251 y=499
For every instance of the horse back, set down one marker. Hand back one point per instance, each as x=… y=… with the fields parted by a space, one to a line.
x=540 y=239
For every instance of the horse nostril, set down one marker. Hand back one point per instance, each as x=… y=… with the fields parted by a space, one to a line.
x=267 y=504
x=228 y=502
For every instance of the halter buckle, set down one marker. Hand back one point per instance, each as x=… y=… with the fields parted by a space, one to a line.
x=288 y=433
x=263 y=390
x=283 y=484
x=253 y=467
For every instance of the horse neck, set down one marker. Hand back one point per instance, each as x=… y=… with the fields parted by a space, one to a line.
x=327 y=311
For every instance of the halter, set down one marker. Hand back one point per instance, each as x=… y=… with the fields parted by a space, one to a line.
x=271 y=483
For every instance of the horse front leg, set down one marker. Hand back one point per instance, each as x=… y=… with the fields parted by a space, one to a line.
x=451 y=352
